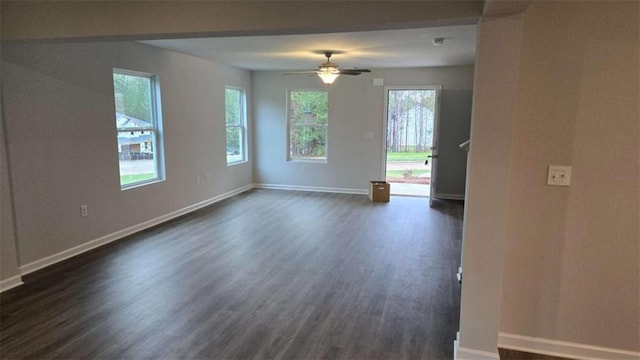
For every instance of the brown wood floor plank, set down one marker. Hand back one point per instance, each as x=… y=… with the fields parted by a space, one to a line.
x=263 y=275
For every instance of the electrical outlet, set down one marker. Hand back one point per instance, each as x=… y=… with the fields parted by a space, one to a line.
x=84 y=210
x=559 y=175
x=197 y=180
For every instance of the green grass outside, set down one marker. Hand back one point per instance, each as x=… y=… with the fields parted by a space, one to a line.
x=128 y=179
x=407 y=156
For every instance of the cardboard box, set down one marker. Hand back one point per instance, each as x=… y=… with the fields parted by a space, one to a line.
x=379 y=191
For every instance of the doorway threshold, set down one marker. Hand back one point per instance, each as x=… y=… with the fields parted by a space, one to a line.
x=405 y=189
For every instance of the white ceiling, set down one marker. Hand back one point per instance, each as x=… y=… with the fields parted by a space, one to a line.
x=369 y=49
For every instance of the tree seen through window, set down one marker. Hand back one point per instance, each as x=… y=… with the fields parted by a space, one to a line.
x=308 y=117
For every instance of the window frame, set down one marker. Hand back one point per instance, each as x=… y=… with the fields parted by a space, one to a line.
x=242 y=126
x=156 y=129
x=290 y=125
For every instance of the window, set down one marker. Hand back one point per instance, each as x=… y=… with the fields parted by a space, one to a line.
x=307 y=120
x=234 y=100
x=137 y=99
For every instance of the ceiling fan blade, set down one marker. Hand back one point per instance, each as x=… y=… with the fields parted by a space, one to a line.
x=354 y=71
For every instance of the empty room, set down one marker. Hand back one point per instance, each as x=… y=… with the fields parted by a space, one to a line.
x=194 y=180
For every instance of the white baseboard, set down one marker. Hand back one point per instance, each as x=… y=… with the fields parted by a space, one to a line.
x=449 y=196
x=562 y=348
x=76 y=250
x=10 y=283
x=461 y=353
x=311 y=188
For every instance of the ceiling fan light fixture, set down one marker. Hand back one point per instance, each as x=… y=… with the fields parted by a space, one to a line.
x=328 y=74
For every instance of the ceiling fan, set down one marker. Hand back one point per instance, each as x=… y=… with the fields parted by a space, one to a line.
x=329 y=71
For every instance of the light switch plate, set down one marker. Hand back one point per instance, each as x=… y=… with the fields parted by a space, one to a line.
x=559 y=175
x=378 y=82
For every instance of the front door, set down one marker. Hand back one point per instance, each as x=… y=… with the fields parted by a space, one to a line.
x=411 y=139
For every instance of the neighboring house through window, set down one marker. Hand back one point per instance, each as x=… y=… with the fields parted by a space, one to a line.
x=236 y=120
x=307 y=125
x=137 y=99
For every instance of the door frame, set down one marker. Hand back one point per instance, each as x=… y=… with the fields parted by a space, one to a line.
x=436 y=130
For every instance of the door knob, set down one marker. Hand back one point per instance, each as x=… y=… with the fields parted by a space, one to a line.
x=433 y=156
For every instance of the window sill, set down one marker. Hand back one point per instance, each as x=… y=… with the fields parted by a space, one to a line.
x=314 y=161
x=137 y=185
x=237 y=163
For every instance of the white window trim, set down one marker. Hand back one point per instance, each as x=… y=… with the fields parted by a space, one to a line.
x=156 y=130
x=289 y=125
x=242 y=126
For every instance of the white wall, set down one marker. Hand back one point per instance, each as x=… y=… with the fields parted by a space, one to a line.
x=484 y=226
x=555 y=269
x=356 y=106
x=59 y=110
x=572 y=256
x=8 y=254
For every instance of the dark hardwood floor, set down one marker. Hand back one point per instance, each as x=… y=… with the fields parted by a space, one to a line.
x=266 y=274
